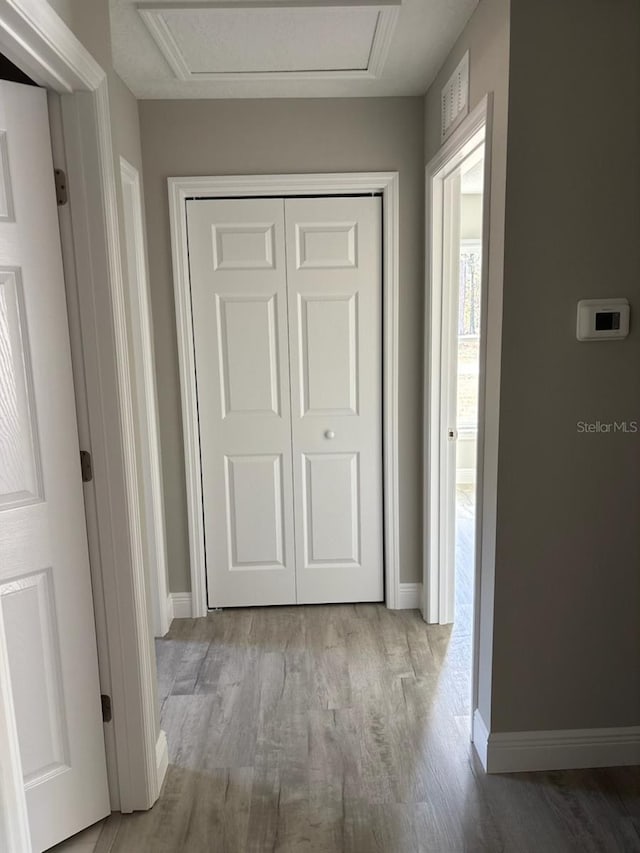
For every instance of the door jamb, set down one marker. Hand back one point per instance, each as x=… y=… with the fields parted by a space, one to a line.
x=147 y=401
x=34 y=37
x=439 y=394
x=180 y=190
x=454 y=147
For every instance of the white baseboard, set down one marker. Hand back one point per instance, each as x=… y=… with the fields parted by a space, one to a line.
x=466 y=476
x=162 y=758
x=410 y=596
x=179 y=605
x=564 y=749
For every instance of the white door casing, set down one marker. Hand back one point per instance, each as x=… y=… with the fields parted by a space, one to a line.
x=278 y=317
x=440 y=392
x=145 y=398
x=45 y=592
x=334 y=282
x=183 y=189
x=238 y=281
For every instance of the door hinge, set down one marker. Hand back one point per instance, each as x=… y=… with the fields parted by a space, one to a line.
x=86 y=466
x=61 y=186
x=106 y=708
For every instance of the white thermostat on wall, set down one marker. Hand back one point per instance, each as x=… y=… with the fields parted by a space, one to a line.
x=603 y=319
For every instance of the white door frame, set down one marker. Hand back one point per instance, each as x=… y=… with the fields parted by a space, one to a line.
x=443 y=196
x=462 y=141
x=37 y=41
x=182 y=189
x=146 y=395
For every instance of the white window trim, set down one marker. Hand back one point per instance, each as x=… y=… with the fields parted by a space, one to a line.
x=181 y=189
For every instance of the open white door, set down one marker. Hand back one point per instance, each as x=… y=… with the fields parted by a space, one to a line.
x=47 y=634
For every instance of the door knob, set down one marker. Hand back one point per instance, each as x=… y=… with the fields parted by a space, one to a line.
x=329 y=433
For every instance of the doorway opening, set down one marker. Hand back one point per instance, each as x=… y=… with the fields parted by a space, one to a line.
x=463 y=282
x=457 y=182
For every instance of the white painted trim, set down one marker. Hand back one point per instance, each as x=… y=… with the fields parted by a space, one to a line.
x=480 y=737
x=35 y=38
x=179 y=606
x=146 y=402
x=448 y=157
x=568 y=749
x=110 y=401
x=410 y=596
x=14 y=820
x=481 y=116
x=162 y=758
x=181 y=189
x=465 y=476
x=151 y=14
x=39 y=42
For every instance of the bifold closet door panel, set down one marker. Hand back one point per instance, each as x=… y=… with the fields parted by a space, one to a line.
x=334 y=281
x=239 y=295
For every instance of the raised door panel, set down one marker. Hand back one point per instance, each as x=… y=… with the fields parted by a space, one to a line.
x=20 y=470
x=243 y=246
x=250 y=374
x=328 y=346
x=31 y=635
x=326 y=245
x=255 y=512
x=239 y=295
x=331 y=509
x=335 y=290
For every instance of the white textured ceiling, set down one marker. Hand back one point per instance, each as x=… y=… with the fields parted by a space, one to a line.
x=240 y=38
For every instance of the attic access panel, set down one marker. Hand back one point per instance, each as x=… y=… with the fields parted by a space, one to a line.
x=218 y=41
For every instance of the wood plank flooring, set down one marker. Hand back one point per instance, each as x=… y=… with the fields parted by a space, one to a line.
x=345 y=729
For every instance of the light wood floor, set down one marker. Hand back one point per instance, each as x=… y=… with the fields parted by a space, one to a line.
x=346 y=728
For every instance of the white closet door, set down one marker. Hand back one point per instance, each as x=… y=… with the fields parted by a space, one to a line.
x=238 y=284
x=334 y=282
x=47 y=631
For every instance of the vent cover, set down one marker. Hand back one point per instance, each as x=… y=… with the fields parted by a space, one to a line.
x=455 y=98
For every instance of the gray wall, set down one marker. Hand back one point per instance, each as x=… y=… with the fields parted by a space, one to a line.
x=486 y=37
x=567 y=630
x=274 y=136
x=89 y=21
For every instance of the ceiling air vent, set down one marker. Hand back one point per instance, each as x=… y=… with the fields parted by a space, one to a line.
x=455 y=98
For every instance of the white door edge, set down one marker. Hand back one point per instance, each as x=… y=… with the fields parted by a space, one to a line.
x=181 y=189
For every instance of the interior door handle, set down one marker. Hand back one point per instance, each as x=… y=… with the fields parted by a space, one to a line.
x=329 y=433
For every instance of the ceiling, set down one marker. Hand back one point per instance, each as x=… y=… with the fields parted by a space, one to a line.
x=283 y=48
